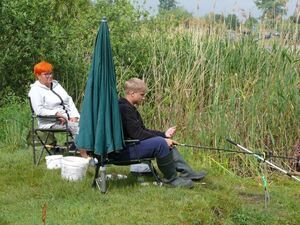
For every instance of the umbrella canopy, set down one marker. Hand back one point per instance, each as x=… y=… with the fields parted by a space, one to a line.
x=100 y=121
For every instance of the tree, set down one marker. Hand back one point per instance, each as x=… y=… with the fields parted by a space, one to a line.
x=271 y=8
x=251 y=22
x=61 y=32
x=34 y=31
x=232 y=22
x=219 y=18
x=294 y=19
x=165 y=5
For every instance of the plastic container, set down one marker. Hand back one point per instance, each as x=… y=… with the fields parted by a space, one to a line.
x=73 y=168
x=53 y=161
x=140 y=168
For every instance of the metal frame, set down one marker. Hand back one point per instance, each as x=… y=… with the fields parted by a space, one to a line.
x=37 y=137
x=101 y=180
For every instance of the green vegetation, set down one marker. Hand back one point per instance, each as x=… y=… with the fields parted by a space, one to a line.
x=219 y=199
x=213 y=88
x=209 y=80
x=271 y=8
x=61 y=32
x=167 y=4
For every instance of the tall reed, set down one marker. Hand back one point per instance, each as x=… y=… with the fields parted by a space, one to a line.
x=213 y=86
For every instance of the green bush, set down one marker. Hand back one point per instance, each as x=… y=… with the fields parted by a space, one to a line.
x=63 y=33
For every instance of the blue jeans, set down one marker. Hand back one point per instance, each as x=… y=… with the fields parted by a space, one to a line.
x=155 y=147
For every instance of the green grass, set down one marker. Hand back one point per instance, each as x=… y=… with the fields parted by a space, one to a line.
x=220 y=199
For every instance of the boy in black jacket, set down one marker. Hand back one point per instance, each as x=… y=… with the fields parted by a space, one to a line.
x=152 y=143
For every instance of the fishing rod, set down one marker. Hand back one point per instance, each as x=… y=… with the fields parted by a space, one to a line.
x=234 y=151
x=262 y=159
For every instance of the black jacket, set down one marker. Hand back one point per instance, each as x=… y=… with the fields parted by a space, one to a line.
x=132 y=122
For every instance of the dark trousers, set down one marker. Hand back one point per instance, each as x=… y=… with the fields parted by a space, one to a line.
x=155 y=147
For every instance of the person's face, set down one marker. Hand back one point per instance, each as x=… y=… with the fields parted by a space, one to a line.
x=45 y=78
x=138 y=97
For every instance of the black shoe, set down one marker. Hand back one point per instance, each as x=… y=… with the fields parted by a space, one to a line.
x=72 y=146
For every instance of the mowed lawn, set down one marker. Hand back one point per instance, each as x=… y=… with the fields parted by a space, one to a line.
x=219 y=199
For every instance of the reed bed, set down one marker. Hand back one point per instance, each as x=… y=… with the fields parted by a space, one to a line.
x=214 y=86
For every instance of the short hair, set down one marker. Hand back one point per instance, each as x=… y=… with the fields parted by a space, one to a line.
x=135 y=84
x=42 y=67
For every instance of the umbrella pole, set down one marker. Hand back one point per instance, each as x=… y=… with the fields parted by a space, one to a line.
x=262 y=159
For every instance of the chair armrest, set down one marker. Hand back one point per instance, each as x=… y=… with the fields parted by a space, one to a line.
x=52 y=117
x=131 y=142
x=49 y=116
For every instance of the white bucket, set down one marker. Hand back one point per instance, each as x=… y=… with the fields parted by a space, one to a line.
x=53 y=161
x=73 y=168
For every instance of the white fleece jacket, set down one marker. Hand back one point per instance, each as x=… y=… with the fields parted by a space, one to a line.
x=45 y=102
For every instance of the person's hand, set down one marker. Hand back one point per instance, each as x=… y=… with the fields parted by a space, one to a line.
x=170 y=132
x=74 y=119
x=61 y=118
x=171 y=142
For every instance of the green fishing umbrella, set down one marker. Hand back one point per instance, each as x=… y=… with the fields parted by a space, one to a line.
x=100 y=121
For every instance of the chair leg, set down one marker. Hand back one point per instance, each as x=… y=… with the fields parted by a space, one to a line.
x=97 y=167
x=70 y=137
x=70 y=147
x=67 y=141
x=44 y=147
x=33 y=147
x=153 y=171
x=102 y=181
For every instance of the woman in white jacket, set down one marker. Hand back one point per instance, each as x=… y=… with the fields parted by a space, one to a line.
x=49 y=98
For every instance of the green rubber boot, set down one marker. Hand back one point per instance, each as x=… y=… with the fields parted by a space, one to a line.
x=167 y=167
x=183 y=167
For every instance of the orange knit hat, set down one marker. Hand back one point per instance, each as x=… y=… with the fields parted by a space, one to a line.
x=42 y=67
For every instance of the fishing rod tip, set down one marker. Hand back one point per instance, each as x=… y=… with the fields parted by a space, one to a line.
x=231 y=142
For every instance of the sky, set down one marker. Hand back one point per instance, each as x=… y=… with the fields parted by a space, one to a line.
x=203 y=7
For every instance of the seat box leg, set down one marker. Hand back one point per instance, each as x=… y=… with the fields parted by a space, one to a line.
x=101 y=181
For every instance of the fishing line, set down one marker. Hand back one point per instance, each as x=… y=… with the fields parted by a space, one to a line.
x=265 y=156
x=264 y=160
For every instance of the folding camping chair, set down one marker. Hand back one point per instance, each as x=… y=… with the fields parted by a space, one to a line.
x=41 y=138
x=101 y=181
